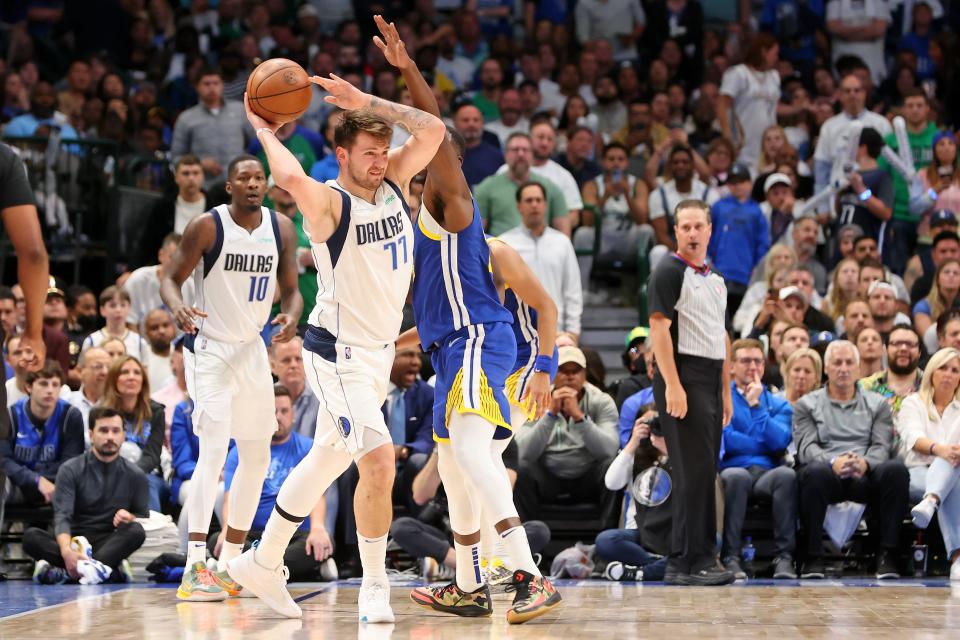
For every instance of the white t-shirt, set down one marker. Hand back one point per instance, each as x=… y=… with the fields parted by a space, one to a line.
x=559 y=176
x=185 y=211
x=698 y=190
x=503 y=131
x=133 y=341
x=755 y=95
x=159 y=372
x=460 y=70
x=143 y=285
x=834 y=137
x=860 y=13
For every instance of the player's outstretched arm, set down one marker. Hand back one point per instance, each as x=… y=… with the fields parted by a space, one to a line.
x=455 y=212
x=291 y=302
x=409 y=339
x=198 y=238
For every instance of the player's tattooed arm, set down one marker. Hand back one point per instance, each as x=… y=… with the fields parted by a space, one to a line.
x=410 y=118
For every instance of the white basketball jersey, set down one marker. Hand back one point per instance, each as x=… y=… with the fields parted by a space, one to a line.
x=236 y=280
x=364 y=269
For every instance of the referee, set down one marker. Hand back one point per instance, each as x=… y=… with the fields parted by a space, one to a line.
x=691 y=388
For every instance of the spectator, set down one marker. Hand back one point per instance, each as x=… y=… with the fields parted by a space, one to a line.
x=859 y=31
x=942 y=176
x=903 y=373
x=571 y=446
x=856 y=317
x=942 y=296
x=160 y=332
x=929 y=424
x=847 y=235
x=547 y=252
x=543 y=139
x=16 y=386
x=511 y=118
x=610 y=111
x=646 y=141
x=883 y=307
x=127 y=391
x=866 y=251
x=299 y=141
x=458 y=68
x=804 y=279
x=175 y=391
x=868 y=201
x=920 y=135
x=99 y=496
x=742 y=236
x=311 y=544
x=834 y=139
x=804 y=236
x=748 y=97
x=682 y=185
x=94 y=364
x=408 y=412
x=795 y=23
x=496 y=196
x=487 y=99
x=286 y=364
x=143 y=285
x=778 y=205
x=634 y=361
x=115 y=308
x=307 y=282
x=45 y=432
x=577 y=157
x=869 y=344
x=753 y=444
x=616 y=203
x=79 y=88
x=802 y=373
x=843 y=288
x=54 y=323
x=620 y=22
x=946 y=246
x=681 y=21
x=8 y=314
x=792 y=338
x=82 y=319
x=844 y=438
x=42 y=116
x=638 y=552
x=172 y=213
x=216 y=131
x=481 y=159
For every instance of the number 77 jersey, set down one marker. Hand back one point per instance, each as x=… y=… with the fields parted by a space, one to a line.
x=237 y=279
x=364 y=269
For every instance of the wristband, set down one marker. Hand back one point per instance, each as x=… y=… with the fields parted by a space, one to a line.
x=931 y=448
x=933 y=195
x=542 y=364
x=265 y=129
x=866 y=195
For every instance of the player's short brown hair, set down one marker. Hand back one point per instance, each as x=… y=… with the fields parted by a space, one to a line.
x=361 y=121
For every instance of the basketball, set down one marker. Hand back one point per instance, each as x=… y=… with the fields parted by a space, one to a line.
x=279 y=90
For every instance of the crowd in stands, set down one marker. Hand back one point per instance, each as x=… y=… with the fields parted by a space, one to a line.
x=842 y=267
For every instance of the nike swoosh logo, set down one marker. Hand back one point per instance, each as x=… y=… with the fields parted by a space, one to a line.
x=453 y=342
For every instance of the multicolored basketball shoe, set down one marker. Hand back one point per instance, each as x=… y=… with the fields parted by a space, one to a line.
x=233 y=588
x=199 y=585
x=46 y=573
x=498 y=575
x=450 y=599
x=535 y=597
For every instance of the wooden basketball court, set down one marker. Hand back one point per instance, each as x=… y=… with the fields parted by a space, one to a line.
x=595 y=609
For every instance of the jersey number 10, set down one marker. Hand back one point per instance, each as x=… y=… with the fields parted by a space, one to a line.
x=258 y=288
x=392 y=246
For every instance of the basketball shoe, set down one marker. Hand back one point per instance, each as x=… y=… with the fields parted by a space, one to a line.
x=450 y=599
x=270 y=585
x=498 y=575
x=433 y=571
x=373 y=602
x=535 y=596
x=46 y=573
x=199 y=585
x=91 y=571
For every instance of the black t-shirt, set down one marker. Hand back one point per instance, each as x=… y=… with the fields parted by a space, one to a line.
x=15 y=188
x=855 y=211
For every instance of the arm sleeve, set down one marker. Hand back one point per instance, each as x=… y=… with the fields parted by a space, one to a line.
x=805 y=435
x=619 y=472
x=181 y=138
x=15 y=188
x=665 y=285
x=64 y=499
x=140 y=497
x=572 y=291
x=150 y=459
x=881 y=436
x=778 y=429
x=600 y=432
x=230 y=468
x=180 y=432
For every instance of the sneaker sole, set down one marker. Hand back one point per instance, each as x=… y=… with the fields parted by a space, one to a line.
x=232 y=571
x=888 y=576
x=519 y=618
x=200 y=596
x=784 y=576
x=470 y=611
x=812 y=576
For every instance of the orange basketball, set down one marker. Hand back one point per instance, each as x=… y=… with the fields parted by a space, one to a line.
x=279 y=90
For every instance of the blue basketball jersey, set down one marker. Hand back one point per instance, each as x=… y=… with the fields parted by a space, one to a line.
x=452 y=286
x=524 y=325
x=30 y=447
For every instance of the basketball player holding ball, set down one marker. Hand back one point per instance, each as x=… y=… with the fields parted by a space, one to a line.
x=362 y=241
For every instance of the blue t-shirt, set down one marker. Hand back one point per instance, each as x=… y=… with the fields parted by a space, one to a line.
x=481 y=161
x=920 y=46
x=922 y=307
x=283 y=458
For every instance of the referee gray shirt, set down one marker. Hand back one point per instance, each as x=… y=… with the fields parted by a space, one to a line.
x=695 y=301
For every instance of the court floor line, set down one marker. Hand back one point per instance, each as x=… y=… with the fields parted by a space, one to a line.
x=105 y=594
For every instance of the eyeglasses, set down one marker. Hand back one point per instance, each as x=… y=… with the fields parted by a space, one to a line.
x=748 y=361
x=904 y=344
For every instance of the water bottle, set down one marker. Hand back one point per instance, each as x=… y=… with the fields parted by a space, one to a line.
x=919 y=557
x=749 y=553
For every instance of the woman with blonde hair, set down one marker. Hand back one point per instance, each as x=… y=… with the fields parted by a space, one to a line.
x=802 y=373
x=929 y=425
x=772 y=140
x=843 y=288
x=943 y=293
x=127 y=391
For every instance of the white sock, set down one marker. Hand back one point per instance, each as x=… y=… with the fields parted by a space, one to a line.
x=489 y=541
x=273 y=543
x=228 y=552
x=468 y=566
x=515 y=542
x=196 y=552
x=373 y=556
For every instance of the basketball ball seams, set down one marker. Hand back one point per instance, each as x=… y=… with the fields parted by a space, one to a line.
x=278 y=98
x=282 y=93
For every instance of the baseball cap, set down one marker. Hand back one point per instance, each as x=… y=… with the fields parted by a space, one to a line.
x=572 y=354
x=738 y=171
x=54 y=290
x=942 y=217
x=775 y=179
x=795 y=292
x=881 y=284
x=637 y=333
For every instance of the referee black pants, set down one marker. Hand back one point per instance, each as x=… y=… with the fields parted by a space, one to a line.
x=693 y=445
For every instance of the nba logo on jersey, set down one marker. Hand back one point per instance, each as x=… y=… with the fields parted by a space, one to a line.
x=347 y=352
x=344 y=426
x=203 y=344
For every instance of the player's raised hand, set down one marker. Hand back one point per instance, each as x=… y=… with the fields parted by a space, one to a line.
x=256 y=121
x=392 y=46
x=538 y=391
x=288 y=328
x=34 y=353
x=342 y=93
x=185 y=315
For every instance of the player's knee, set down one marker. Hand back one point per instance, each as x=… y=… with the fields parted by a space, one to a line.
x=379 y=466
x=254 y=455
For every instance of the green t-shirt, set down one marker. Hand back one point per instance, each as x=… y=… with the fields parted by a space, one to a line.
x=306 y=281
x=300 y=148
x=496 y=198
x=921 y=144
x=488 y=108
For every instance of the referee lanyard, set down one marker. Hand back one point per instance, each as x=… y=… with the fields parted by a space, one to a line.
x=703 y=271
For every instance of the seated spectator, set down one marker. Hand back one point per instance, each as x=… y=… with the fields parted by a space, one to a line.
x=45 y=432
x=408 y=412
x=633 y=358
x=866 y=251
x=94 y=364
x=844 y=287
x=286 y=363
x=754 y=444
x=143 y=285
x=99 y=496
x=114 y=347
x=804 y=278
x=16 y=386
x=548 y=253
x=804 y=237
x=946 y=246
x=511 y=118
x=929 y=422
x=882 y=298
x=311 y=545
x=948 y=329
x=942 y=296
x=543 y=138
x=54 y=323
x=741 y=236
x=41 y=117
x=802 y=373
x=843 y=437
x=578 y=153
x=921 y=264
x=778 y=204
x=128 y=393
x=82 y=319
x=570 y=447
x=175 y=391
x=792 y=338
x=791 y=305
x=639 y=405
x=115 y=305
x=639 y=551
x=428 y=536
x=481 y=159
x=903 y=373
x=940 y=178
x=160 y=331
x=869 y=345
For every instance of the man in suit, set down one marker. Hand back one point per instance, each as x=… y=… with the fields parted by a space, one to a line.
x=408 y=412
